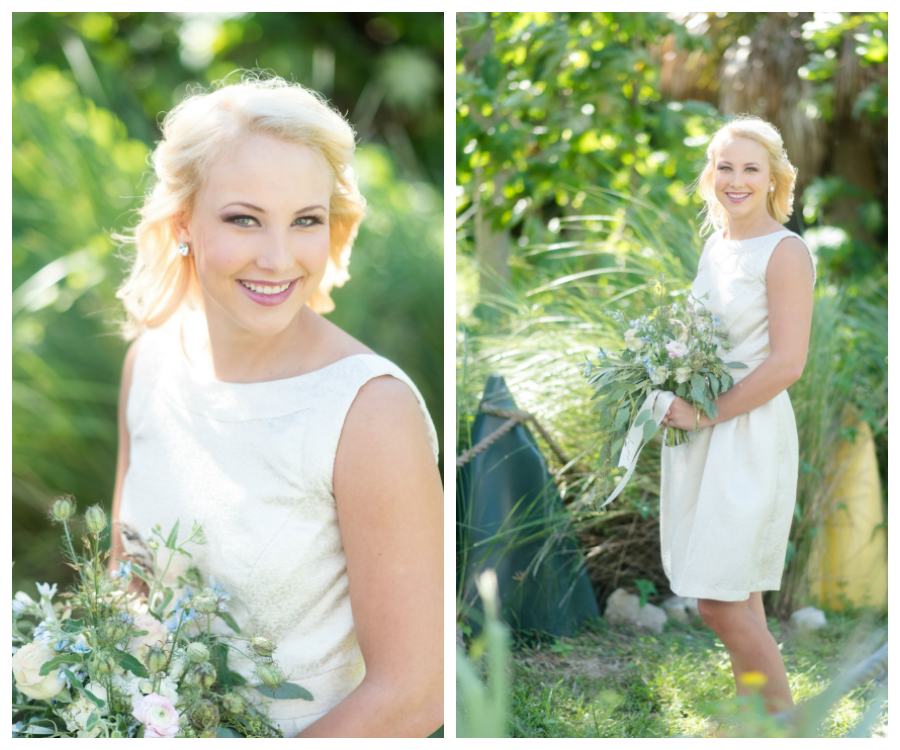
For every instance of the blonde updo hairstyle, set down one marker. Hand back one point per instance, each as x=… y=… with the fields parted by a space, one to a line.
x=780 y=202
x=207 y=126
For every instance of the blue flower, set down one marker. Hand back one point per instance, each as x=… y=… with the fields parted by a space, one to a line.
x=80 y=646
x=18 y=606
x=46 y=590
x=63 y=677
x=124 y=571
x=219 y=590
x=61 y=644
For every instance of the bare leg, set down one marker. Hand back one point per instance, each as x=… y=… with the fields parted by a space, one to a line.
x=751 y=648
x=756 y=606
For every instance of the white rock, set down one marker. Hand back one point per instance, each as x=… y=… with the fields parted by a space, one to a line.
x=808 y=618
x=681 y=608
x=623 y=608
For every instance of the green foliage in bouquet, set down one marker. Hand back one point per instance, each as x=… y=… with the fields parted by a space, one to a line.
x=110 y=661
x=673 y=348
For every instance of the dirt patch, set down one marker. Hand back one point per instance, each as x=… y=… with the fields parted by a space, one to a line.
x=593 y=667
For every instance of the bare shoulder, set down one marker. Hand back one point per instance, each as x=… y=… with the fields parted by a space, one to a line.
x=386 y=405
x=790 y=260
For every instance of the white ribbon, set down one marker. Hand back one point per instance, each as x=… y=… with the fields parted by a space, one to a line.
x=657 y=403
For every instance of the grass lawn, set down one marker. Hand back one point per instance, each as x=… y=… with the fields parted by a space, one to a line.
x=616 y=682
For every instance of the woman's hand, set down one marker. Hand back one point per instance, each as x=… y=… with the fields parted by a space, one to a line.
x=684 y=416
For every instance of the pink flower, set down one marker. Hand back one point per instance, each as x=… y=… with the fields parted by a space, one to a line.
x=676 y=349
x=158 y=715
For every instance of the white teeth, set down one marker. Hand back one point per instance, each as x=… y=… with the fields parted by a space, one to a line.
x=259 y=289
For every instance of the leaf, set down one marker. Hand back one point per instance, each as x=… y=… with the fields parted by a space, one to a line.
x=642 y=417
x=622 y=416
x=167 y=597
x=697 y=381
x=614 y=451
x=617 y=394
x=92 y=721
x=129 y=662
x=237 y=680
x=286 y=691
x=73 y=626
x=227 y=732
x=681 y=390
x=714 y=384
x=35 y=729
x=650 y=430
x=75 y=681
x=736 y=365
x=229 y=621
x=699 y=394
x=58 y=661
x=222 y=671
x=172 y=541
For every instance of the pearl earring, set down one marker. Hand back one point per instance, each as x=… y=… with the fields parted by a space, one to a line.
x=183 y=249
x=771 y=188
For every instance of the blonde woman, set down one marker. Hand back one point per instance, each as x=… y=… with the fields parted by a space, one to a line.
x=309 y=460
x=727 y=496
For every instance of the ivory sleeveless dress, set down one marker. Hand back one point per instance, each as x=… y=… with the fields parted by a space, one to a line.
x=253 y=463
x=727 y=495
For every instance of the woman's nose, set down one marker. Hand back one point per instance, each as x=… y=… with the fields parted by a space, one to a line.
x=276 y=254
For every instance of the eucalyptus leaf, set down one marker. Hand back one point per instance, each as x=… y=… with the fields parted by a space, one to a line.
x=286 y=691
x=622 y=416
x=642 y=417
x=699 y=394
x=736 y=365
x=697 y=381
x=35 y=729
x=227 y=732
x=650 y=430
x=92 y=721
x=714 y=384
x=73 y=626
x=617 y=446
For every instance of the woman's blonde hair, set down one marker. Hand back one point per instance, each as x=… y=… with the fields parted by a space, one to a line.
x=780 y=202
x=204 y=127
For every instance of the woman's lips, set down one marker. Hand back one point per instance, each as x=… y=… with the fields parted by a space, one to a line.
x=268 y=299
x=737 y=197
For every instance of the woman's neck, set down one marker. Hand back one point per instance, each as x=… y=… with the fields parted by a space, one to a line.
x=749 y=227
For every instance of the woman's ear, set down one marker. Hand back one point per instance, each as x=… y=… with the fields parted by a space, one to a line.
x=180 y=228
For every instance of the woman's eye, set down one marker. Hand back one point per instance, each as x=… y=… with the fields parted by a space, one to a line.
x=240 y=220
x=308 y=221
x=313 y=219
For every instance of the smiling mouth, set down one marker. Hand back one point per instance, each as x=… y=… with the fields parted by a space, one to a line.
x=737 y=196
x=270 y=288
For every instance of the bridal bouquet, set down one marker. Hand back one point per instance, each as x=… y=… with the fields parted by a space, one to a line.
x=103 y=661
x=671 y=349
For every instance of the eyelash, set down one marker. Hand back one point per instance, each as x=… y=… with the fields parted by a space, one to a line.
x=314 y=220
x=752 y=169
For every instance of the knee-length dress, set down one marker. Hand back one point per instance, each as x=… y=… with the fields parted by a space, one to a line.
x=727 y=495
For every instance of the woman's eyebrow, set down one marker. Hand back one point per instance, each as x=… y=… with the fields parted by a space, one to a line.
x=262 y=210
x=725 y=162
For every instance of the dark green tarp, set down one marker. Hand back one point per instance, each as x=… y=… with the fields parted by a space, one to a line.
x=511 y=518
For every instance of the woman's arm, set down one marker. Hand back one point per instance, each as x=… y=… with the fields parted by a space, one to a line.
x=122 y=459
x=370 y=711
x=759 y=387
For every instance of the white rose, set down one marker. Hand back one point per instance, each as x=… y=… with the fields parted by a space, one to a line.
x=157 y=635
x=682 y=374
x=632 y=341
x=27 y=663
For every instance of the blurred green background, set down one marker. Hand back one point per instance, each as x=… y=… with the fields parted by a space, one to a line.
x=88 y=92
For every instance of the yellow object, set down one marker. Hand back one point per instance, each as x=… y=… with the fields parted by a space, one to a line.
x=848 y=562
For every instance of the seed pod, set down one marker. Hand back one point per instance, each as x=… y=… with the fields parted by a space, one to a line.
x=205 y=604
x=205 y=715
x=197 y=652
x=204 y=675
x=63 y=508
x=233 y=703
x=104 y=663
x=269 y=674
x=156 y=659
x=262 y=646
x=95 y=519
